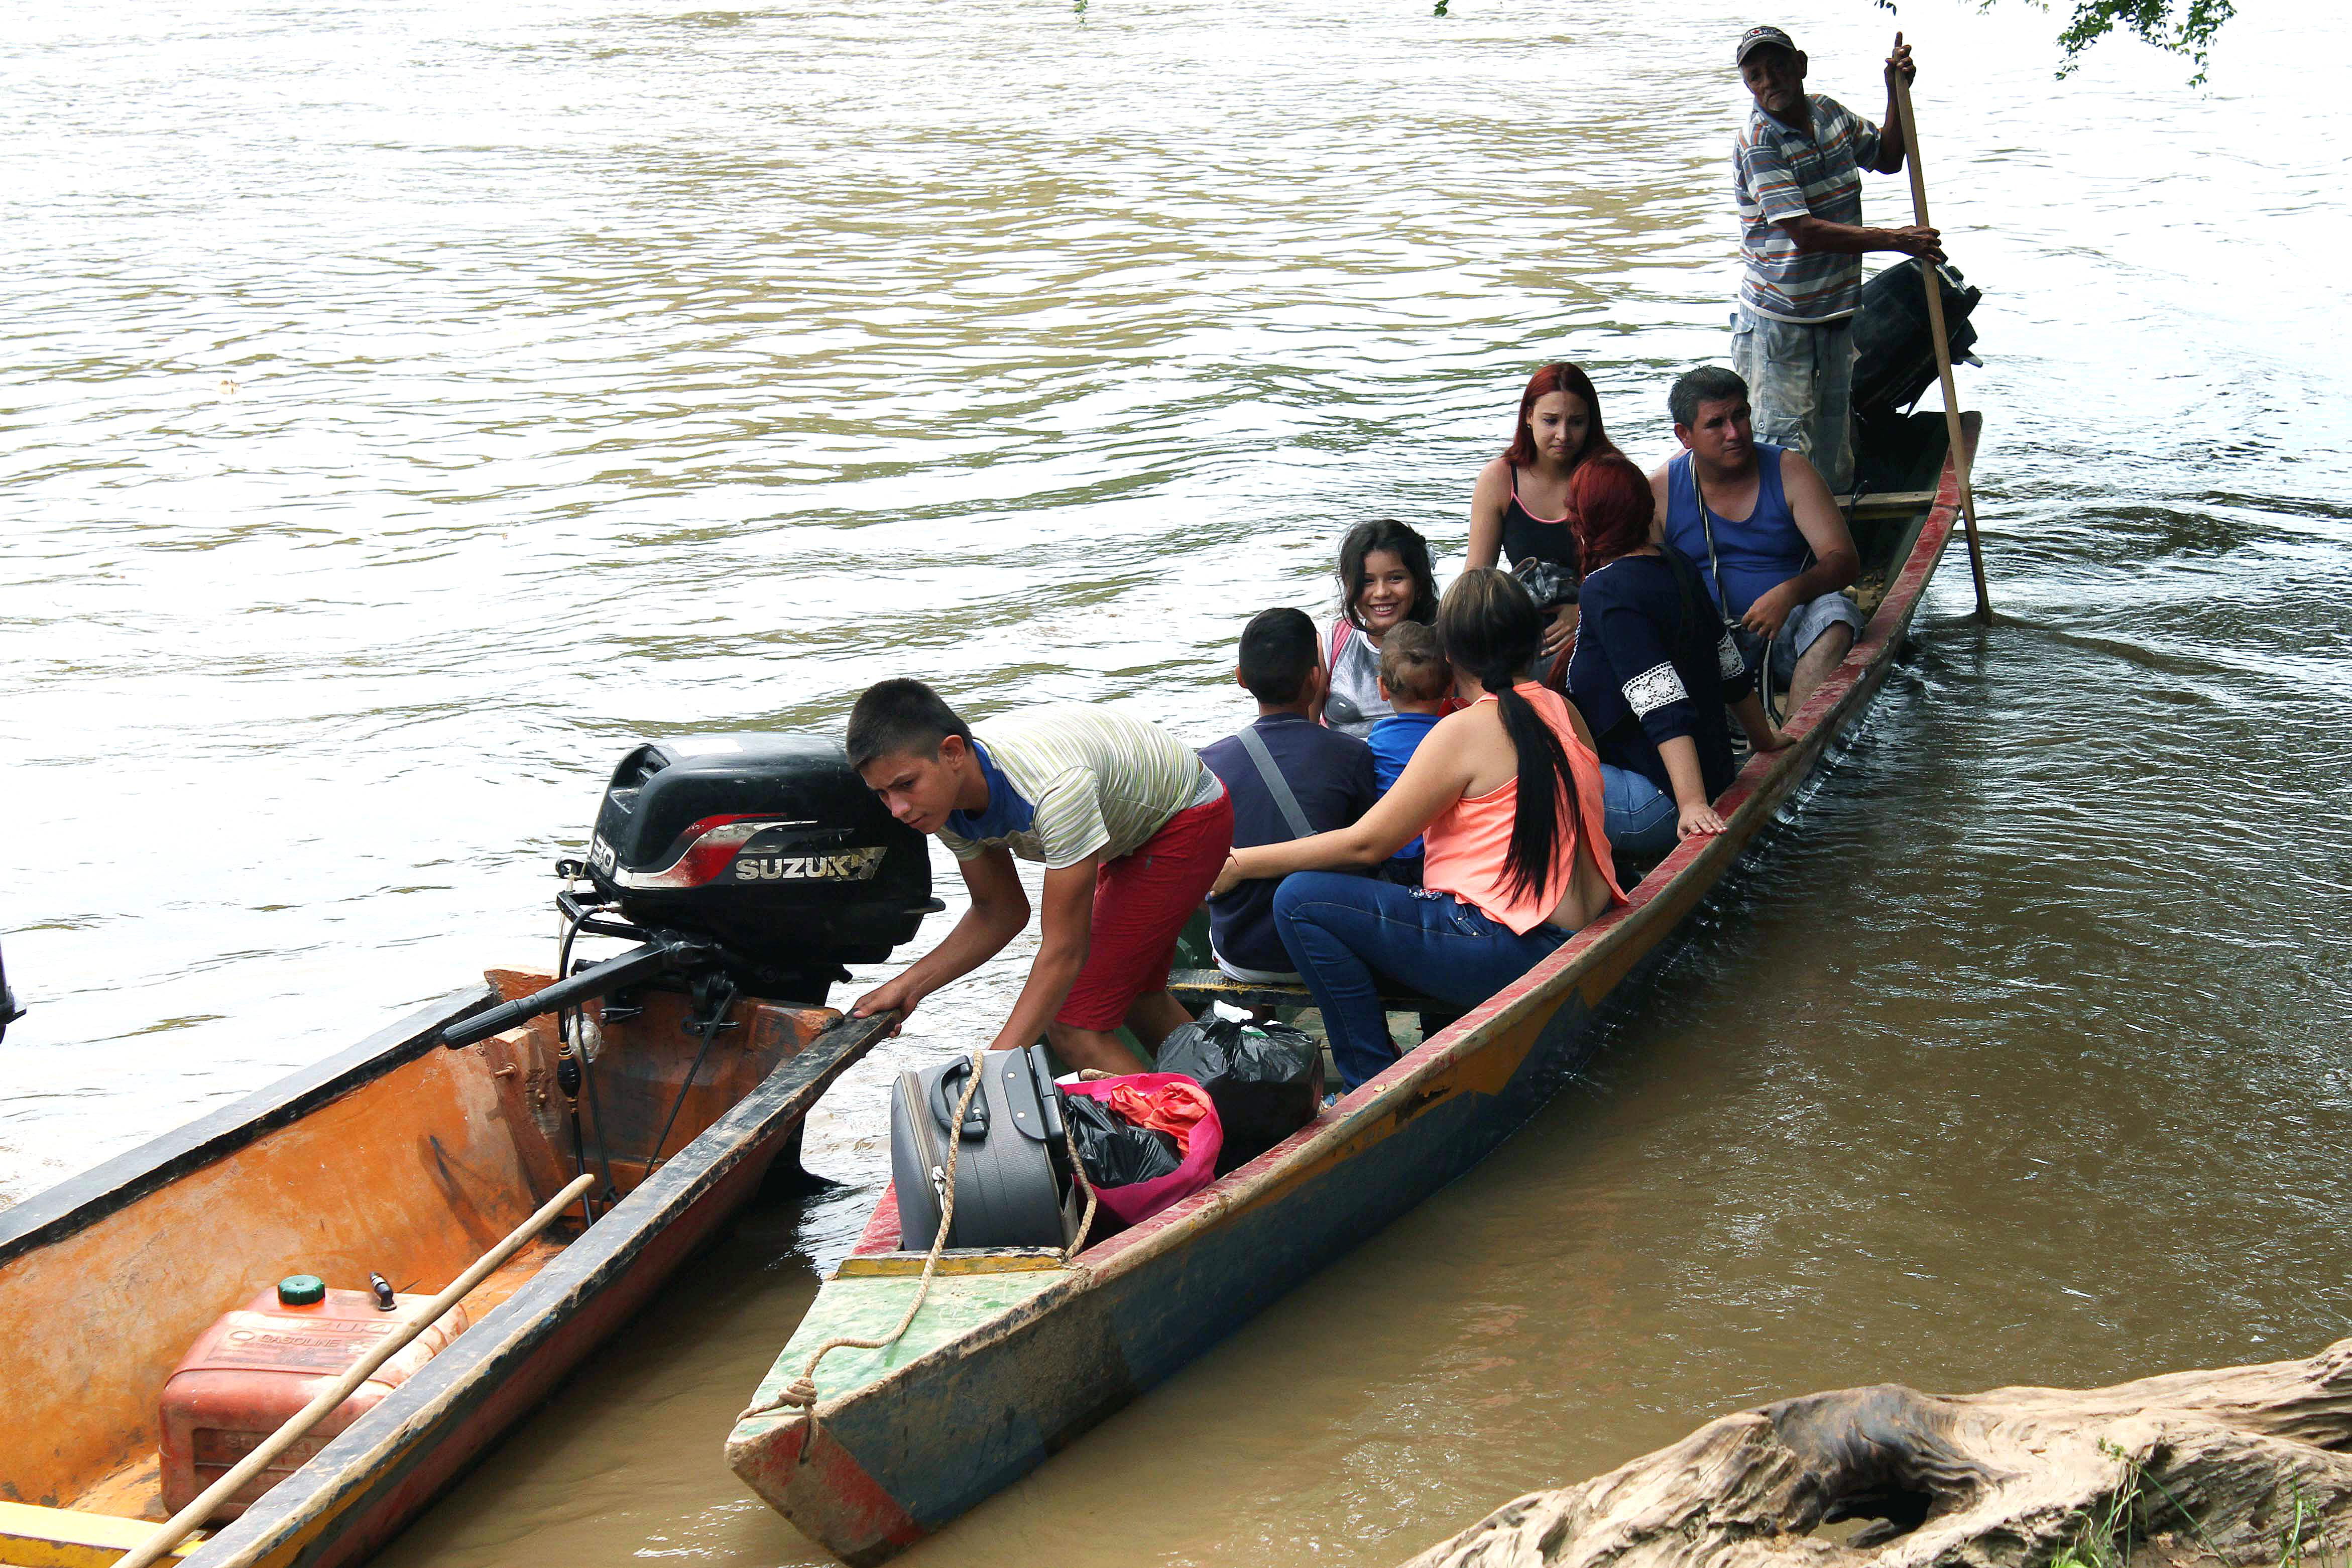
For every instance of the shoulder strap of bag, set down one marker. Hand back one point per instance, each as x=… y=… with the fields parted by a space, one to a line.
x=1276 y=784
x=1707 y=524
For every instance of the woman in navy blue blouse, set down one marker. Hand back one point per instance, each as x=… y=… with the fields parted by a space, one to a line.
x=1652 y=669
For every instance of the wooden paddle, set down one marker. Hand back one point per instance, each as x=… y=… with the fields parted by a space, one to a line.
x=1943 y=345
x=170 y=1534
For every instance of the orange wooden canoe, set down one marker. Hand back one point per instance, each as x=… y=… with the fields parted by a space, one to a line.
x=399 y=1158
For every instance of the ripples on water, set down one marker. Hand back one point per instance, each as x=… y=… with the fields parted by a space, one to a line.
x=408 y=408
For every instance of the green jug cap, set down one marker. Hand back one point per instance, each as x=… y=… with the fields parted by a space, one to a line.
x=301 y=1290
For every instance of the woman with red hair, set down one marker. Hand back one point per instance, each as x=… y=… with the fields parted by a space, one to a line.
x=1519 y=514
x=1652 y=668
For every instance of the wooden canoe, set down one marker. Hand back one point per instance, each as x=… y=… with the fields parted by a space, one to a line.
x=1014 y=1354
x=399 y=1156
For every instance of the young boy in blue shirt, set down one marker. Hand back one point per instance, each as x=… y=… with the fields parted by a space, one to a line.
x=1416 y=680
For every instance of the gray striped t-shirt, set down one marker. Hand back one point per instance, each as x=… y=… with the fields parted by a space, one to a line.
x=1074 y=779
x=1777 y=174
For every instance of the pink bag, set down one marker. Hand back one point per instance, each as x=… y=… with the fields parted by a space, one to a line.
x=1175 y=1105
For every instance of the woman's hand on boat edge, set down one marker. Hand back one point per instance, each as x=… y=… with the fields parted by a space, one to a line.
x=1691 y=821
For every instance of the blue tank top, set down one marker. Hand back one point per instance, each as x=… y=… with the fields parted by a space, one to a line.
x=1757 y=553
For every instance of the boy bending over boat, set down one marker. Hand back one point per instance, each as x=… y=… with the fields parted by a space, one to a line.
x=1130 y=828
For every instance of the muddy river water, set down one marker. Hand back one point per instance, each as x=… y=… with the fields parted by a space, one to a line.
x=407 y=406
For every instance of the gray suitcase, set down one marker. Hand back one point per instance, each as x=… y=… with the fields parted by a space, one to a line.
x=1012 y=1181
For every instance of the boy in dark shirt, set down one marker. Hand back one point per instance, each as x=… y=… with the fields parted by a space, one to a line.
x=1415 y=680
x=1289 y=777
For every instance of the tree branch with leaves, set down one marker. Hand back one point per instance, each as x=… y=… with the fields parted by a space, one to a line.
x=2183 y=28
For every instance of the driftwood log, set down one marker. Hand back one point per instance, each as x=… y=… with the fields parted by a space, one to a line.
x=2243 y=1463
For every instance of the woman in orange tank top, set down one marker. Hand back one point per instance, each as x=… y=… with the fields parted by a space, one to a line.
x=1507 y=793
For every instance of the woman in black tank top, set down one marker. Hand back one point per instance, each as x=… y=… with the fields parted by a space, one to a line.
x=1527 y=537
x=1519 y=515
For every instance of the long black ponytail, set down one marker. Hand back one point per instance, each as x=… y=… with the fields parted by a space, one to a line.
x=1491 y=628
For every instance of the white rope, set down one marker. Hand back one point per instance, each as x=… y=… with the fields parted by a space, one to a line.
x=801 y=1392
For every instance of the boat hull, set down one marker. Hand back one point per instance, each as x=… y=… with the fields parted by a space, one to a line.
x=362 y=1488
x=397 y=1150
x=1070 y=1355
x=1003 y=1370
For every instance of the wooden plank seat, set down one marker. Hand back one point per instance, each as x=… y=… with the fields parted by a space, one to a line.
x=1196 y=989
x=1887 y=503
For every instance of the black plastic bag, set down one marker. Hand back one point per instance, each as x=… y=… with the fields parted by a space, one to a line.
x=1266 y=1080
x=1547 y=582
x=1115 y=1151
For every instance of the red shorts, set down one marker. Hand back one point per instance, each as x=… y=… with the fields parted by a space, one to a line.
x=1141 y=903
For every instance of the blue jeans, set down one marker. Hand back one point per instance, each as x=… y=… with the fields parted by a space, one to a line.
x=1639 y=817
x=1346 y=933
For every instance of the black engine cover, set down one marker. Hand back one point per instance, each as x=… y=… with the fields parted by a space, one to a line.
x=1895 y=346
x=770 y=845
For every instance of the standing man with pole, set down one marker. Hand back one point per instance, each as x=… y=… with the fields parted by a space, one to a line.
x=1795 y=171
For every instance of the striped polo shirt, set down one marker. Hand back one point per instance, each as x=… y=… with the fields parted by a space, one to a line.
x=1073 y=780
x=1777 y=174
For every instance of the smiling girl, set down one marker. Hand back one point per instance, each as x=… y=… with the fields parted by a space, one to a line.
x=1385 y=580
x=1519 y=512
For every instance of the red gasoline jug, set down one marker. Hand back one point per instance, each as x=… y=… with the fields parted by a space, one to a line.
x=258 y=1367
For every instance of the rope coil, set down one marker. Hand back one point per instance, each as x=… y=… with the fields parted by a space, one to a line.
x=801 y=1392
x=1078 y=1174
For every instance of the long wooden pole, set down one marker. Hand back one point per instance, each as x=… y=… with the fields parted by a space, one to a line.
x=1943 y=346
x=170 y=1534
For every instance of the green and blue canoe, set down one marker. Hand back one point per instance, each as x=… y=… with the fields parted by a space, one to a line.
x=1015 y=1354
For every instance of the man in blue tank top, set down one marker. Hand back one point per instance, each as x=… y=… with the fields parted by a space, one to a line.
x=1767 y=539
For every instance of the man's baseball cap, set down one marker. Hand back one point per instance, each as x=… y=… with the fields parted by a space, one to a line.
x=1755 y=38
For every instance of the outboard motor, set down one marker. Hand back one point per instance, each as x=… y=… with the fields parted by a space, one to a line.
x=9 y=1011
x=1894 y=347
x=759 y=863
